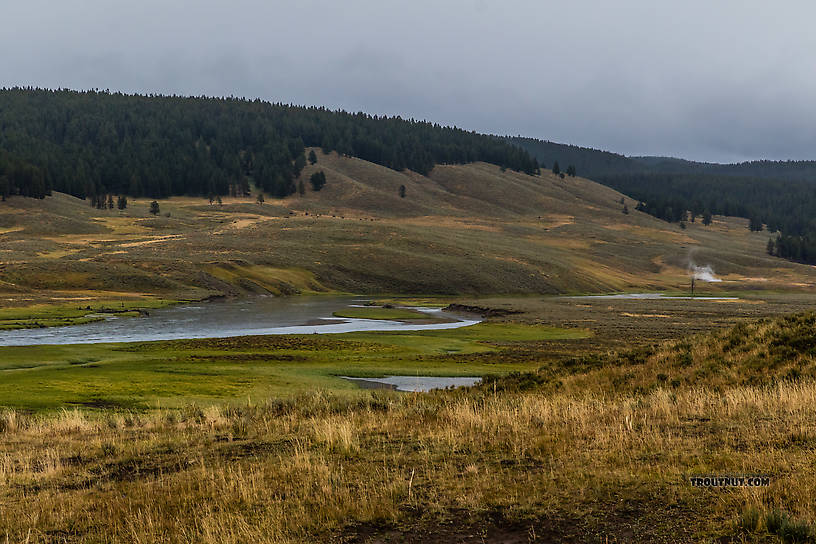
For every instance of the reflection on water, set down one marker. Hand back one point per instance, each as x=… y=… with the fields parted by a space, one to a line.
x=414 y=384
x=226 y=318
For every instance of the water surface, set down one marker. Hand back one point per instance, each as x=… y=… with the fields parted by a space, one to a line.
x=227 y=318
x=413 y=384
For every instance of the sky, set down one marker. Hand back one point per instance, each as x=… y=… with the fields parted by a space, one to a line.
x=714 y=80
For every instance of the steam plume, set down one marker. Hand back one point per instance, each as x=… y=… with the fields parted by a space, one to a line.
x=703 y=273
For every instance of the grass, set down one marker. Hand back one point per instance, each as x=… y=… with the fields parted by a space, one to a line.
x=320 y=467
x=465 y=229
x=173 y=373
x=256 y=439
x=58 y=315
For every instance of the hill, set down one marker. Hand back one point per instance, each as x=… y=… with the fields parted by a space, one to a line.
x=775 y=195
x=466 y=229
x=590 y=163
x=91 y=144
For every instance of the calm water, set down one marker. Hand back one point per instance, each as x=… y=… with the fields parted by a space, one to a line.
x=414 y=384
x=222 y=319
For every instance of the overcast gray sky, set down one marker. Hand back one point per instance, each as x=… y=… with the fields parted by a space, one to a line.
x=707 y=80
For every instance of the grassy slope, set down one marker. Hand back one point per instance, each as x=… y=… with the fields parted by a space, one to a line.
x=604 y=456
x=464 y=229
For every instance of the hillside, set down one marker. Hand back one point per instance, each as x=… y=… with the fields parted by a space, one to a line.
x=463 y=229
x=93 y=143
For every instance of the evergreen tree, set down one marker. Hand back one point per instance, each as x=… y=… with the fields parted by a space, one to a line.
x=556 y=169
x=301 y=188
x=154 y=208
x=571 y=170
x=312 y=157
x=318 y=180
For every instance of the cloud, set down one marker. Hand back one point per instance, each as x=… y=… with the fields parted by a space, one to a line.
x=729 y=80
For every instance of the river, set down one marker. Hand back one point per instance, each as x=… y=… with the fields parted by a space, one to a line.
x=227 y=318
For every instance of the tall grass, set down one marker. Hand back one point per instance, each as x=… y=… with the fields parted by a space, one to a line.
x=308 y=469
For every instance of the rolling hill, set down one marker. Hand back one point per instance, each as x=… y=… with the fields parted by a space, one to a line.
x=464 y=229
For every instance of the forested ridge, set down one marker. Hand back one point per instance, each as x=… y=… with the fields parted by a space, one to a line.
x=95 y=143
x=777 y=196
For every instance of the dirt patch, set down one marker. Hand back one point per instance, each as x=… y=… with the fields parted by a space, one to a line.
x=164 y=238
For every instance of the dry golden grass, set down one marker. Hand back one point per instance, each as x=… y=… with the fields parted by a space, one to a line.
x=318 y=468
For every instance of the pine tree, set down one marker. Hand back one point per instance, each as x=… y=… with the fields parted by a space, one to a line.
x=571 y=171
x=312 y=157
x=154 y=208
x=318 y=180
x=556 y=169
x=301 y=188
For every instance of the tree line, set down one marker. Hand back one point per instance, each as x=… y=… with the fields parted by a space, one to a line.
x=97 y=143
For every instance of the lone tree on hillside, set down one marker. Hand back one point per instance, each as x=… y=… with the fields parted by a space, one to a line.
x=312 y=157
x=402 y=191
x=260 y=199
x=571 y=171
x=318 y=180
x=771 y=248
x=154 y=208
x=301 y=188
x=556 y=169
x=121 y=202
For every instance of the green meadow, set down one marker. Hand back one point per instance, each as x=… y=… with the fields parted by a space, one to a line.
x=139 y=376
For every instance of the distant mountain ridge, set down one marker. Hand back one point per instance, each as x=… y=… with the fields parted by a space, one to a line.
x=594 y=163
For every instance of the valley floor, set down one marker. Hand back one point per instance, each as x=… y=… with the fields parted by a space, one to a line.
x=580 y=442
